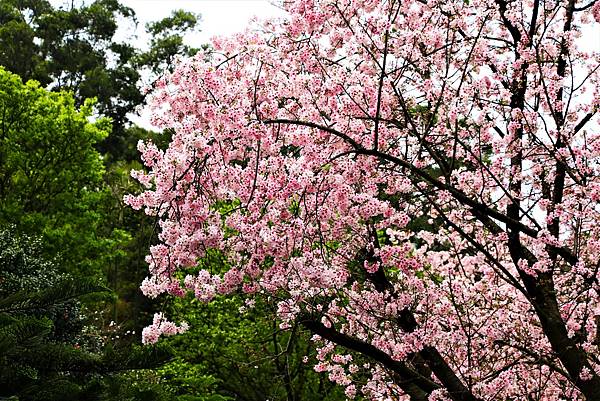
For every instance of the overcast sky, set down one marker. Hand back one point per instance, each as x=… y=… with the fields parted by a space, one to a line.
x=219 y=17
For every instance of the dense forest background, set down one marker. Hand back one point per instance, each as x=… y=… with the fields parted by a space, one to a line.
x=72 y=254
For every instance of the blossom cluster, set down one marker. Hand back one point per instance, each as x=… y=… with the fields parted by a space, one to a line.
x=161 y=326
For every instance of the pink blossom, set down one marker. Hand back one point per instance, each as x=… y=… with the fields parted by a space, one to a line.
x=161 y=326
x=415 y=181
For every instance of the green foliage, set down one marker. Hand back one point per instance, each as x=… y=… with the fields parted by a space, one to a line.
x=31 y=284
x=167 y=41
x=29 y=358
x=235 y=352
x=74 y=48
x=41 y=357
x=68 y=48
x=50 y=173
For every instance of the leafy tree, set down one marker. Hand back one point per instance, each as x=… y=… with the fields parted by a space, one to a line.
x=328 y=133
x=48 y=184
x=43 y=350
x=53 y=183
x=166 y=41
x=67 y=49
x=75 y=48
x=50 y=173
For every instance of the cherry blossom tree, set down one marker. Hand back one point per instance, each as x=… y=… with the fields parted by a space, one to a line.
x=416 y=182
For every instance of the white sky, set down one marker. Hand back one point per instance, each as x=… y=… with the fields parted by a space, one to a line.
x=219 y=17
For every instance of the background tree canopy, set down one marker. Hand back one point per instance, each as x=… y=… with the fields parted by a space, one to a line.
x=76 y=49
x=51 y=175
x=47 y=352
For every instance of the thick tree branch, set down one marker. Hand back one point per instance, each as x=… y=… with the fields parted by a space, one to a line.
x=409 y=380
x=324 y=128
